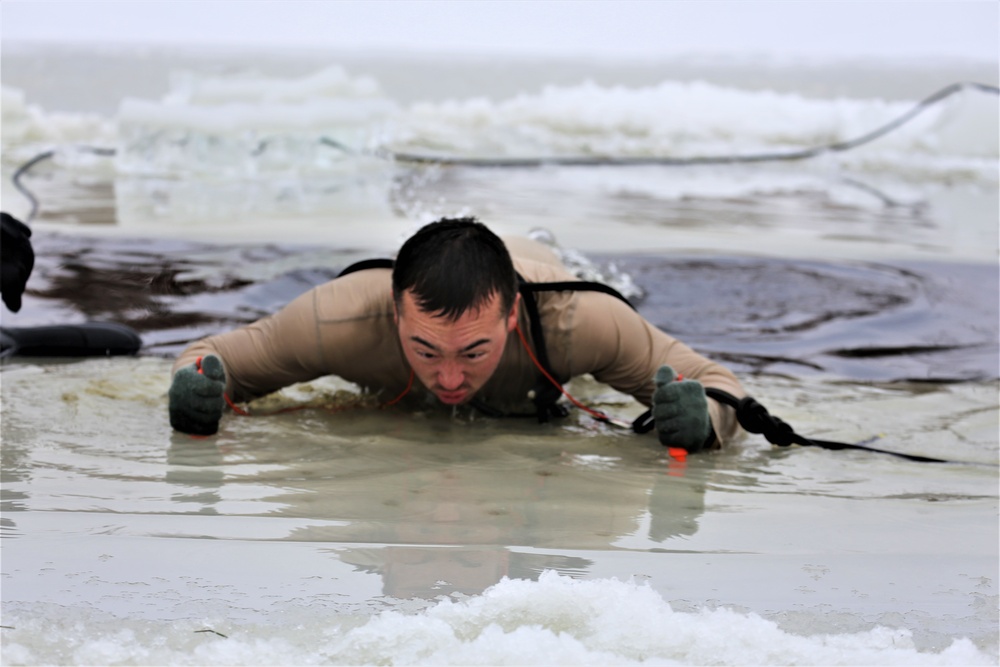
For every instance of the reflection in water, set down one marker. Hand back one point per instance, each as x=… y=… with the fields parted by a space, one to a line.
x=676 y=502
x=437 y=502
x=446 y=507
x=195 y=466
x=428 y=572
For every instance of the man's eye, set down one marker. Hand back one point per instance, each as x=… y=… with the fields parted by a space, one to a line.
x=474 y=355
x=424 y=354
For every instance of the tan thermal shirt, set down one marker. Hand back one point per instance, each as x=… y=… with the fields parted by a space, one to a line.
x=345 y=328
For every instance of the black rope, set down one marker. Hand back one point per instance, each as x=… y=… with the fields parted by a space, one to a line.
x=599 y=161
x=575 y=286
x=377 y=263
x=588 y=161
x=754 y=418
x=23 y=169
x=16 y=180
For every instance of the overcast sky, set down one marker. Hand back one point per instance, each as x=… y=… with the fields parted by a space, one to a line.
x=788 y=28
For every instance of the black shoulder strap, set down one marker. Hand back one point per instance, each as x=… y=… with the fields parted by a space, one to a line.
x=377 y=263
x=574 y=286
x=546 y=394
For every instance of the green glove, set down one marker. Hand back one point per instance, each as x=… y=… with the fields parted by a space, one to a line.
x=196 y=400
x=680 y=409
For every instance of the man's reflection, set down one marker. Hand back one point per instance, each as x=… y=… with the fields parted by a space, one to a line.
x=427 y=572
x=443 y=516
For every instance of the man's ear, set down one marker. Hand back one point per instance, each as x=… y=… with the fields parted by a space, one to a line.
x=512 y=315
x=395 y=313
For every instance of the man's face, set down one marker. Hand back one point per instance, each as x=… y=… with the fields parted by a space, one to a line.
x=454 y=359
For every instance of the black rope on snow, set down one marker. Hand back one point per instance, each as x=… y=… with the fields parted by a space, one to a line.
x=23 y=169
x=596 y=161
x=587 y=161
x=754 y=418
x=16 y=180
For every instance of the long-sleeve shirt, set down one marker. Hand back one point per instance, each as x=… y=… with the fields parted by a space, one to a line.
x=346 y=328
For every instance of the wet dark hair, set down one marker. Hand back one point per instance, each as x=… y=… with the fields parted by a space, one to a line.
x=454 y=265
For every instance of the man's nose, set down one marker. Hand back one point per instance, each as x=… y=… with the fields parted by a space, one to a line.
x=450 y=376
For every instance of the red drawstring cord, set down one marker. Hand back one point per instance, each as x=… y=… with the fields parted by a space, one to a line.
x=237 y=409
x=593 y=413
x=406 y=391
x=678 y=453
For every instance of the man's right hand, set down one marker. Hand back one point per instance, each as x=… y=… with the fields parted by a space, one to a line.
x=196 y=397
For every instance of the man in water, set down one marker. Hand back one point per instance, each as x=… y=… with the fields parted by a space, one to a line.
x=450 y=315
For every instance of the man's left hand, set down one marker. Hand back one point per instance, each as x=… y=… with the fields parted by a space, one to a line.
x=680 y=409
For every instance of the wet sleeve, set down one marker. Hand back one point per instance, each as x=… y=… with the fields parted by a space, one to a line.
x=274 y=352
x=620 y=348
